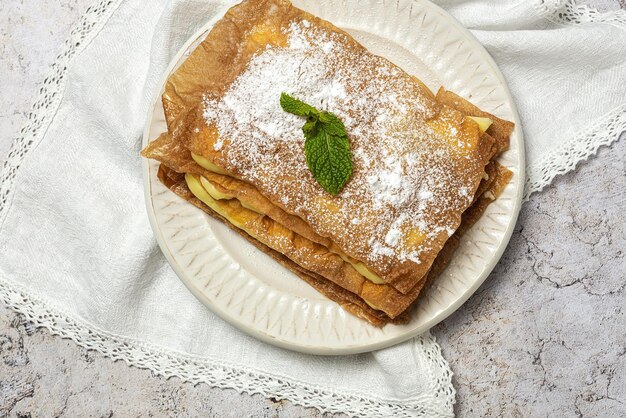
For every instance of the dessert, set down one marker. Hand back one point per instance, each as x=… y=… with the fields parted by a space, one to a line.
x=361 y=185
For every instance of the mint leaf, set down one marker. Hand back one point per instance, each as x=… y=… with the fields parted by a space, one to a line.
x=328 y=157
x=326 y=145
x=333 y=123
x=295 y=106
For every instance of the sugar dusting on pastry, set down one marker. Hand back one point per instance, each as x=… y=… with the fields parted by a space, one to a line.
x=406 y=176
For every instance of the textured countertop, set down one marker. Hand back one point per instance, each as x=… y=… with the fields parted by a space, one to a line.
x=544 y=336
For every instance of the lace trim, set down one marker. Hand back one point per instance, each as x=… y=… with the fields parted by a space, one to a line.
x=567 y=12
x=196 y=369
x=578 y=148
x=49 y=97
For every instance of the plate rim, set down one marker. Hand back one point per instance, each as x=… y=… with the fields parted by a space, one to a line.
x=351 y=348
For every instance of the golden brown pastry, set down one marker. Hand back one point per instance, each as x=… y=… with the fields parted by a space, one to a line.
x=419 y=161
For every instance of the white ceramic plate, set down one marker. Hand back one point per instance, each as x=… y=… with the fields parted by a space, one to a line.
x=250 y=290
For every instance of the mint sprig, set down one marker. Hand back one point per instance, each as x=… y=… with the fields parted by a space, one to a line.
x=326 y=145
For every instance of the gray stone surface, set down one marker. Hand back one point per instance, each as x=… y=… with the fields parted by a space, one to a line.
x=544 y=336
x=546 y=333
x=45 y=376
x=31 y=35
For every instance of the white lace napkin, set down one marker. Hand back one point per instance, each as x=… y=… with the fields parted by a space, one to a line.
x=77 y=254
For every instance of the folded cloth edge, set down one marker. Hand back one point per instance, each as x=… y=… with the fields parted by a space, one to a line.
x=198 y=369
x=567 y=12
x=576 y=149
x=606 y=130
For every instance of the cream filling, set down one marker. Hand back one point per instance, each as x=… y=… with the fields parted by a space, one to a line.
x=195 y=186
x=483 y=123
x=363 y=271
x=204 y=163
x=216 y=194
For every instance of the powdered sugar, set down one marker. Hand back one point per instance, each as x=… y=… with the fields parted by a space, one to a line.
x=390 y=185
x=425 y=194
x=393 y=237
x=403 y=183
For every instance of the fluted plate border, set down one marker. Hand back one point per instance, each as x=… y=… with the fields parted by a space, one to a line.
x=249 y=290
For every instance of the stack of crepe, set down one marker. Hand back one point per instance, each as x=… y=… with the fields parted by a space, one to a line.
x=424 y=166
